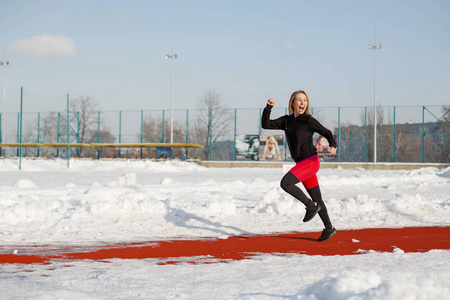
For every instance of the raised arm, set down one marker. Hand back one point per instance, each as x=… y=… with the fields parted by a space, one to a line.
x=266 y=122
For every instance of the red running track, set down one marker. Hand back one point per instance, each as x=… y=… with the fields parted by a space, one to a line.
x=345 y=242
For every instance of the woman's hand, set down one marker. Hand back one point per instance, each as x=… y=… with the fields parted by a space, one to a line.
x=271 y=101
x=333 y=150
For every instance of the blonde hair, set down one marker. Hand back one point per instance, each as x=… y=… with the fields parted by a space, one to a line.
x=291 y=102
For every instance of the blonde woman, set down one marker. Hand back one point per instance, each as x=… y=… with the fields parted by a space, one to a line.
x=271 y=150
x=299 y=127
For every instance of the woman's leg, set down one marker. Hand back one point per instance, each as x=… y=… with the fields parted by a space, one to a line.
x=311 y=185
x=288 y=184
x=305 y=172
x=316 y=195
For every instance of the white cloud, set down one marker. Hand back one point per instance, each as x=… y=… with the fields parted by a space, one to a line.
x=45 y=45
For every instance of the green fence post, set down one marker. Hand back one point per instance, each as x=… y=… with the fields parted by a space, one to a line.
x=235 y=130
x=210 y=133
x=339 y=135
x=98 y=135
x=393 y=140
x=120 y=132
x=365 y=134
x=58 y=134
x=187 y=132
x=68 y=133
x=78 y=132
x=142 y=130
x=38 y=133
x=20 y=135
x=260 y=124
x=423 y=133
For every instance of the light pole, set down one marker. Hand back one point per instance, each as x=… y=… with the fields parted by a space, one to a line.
x=171 y=57
x=4 y=64
x=375 y=99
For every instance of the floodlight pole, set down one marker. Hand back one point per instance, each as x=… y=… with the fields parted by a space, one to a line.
x=375 y=99
x=171 y=57
x=4 y=64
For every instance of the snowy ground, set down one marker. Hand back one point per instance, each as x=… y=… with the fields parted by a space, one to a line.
x=105 y=201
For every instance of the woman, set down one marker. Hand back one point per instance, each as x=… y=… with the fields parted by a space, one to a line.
x=299 y=127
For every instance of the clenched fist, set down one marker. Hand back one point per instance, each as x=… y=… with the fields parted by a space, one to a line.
x=271 y=101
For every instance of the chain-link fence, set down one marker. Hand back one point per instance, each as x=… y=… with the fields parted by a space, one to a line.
x=404 y=133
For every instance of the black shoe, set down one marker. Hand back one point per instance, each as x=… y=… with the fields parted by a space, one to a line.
x=326 y=234
x=311 y=212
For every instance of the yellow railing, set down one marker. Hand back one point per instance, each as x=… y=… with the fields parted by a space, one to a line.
x=103 y=145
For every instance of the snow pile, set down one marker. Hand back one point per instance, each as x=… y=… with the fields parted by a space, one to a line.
x=362 y=277
x=115 y=201
x=357 y=284
x=136 y=200
x=124 y=180
x=24 y=183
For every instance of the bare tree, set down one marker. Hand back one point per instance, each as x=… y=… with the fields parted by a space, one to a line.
x=153 y=130
x=47 y=132
x=369 y=117
x=213 y=122
x=442 y=137
x=153 y=133
x=83 y=109
x=384 y=132
x=446 y=111
x=85 y=106
x=105 y=137
x=351 y=146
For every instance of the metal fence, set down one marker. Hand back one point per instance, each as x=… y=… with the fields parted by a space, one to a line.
x=404 y=133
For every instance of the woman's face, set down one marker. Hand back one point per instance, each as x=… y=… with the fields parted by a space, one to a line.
x=299 y=104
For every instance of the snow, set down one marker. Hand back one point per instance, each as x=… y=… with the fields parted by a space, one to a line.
x=131 y=201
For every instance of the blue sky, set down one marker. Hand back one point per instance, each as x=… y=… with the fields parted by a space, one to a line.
x=247 y=51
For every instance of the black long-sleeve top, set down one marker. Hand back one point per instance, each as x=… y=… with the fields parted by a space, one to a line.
x=299 y=132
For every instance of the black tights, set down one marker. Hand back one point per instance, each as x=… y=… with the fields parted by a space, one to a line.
x=288 y=184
